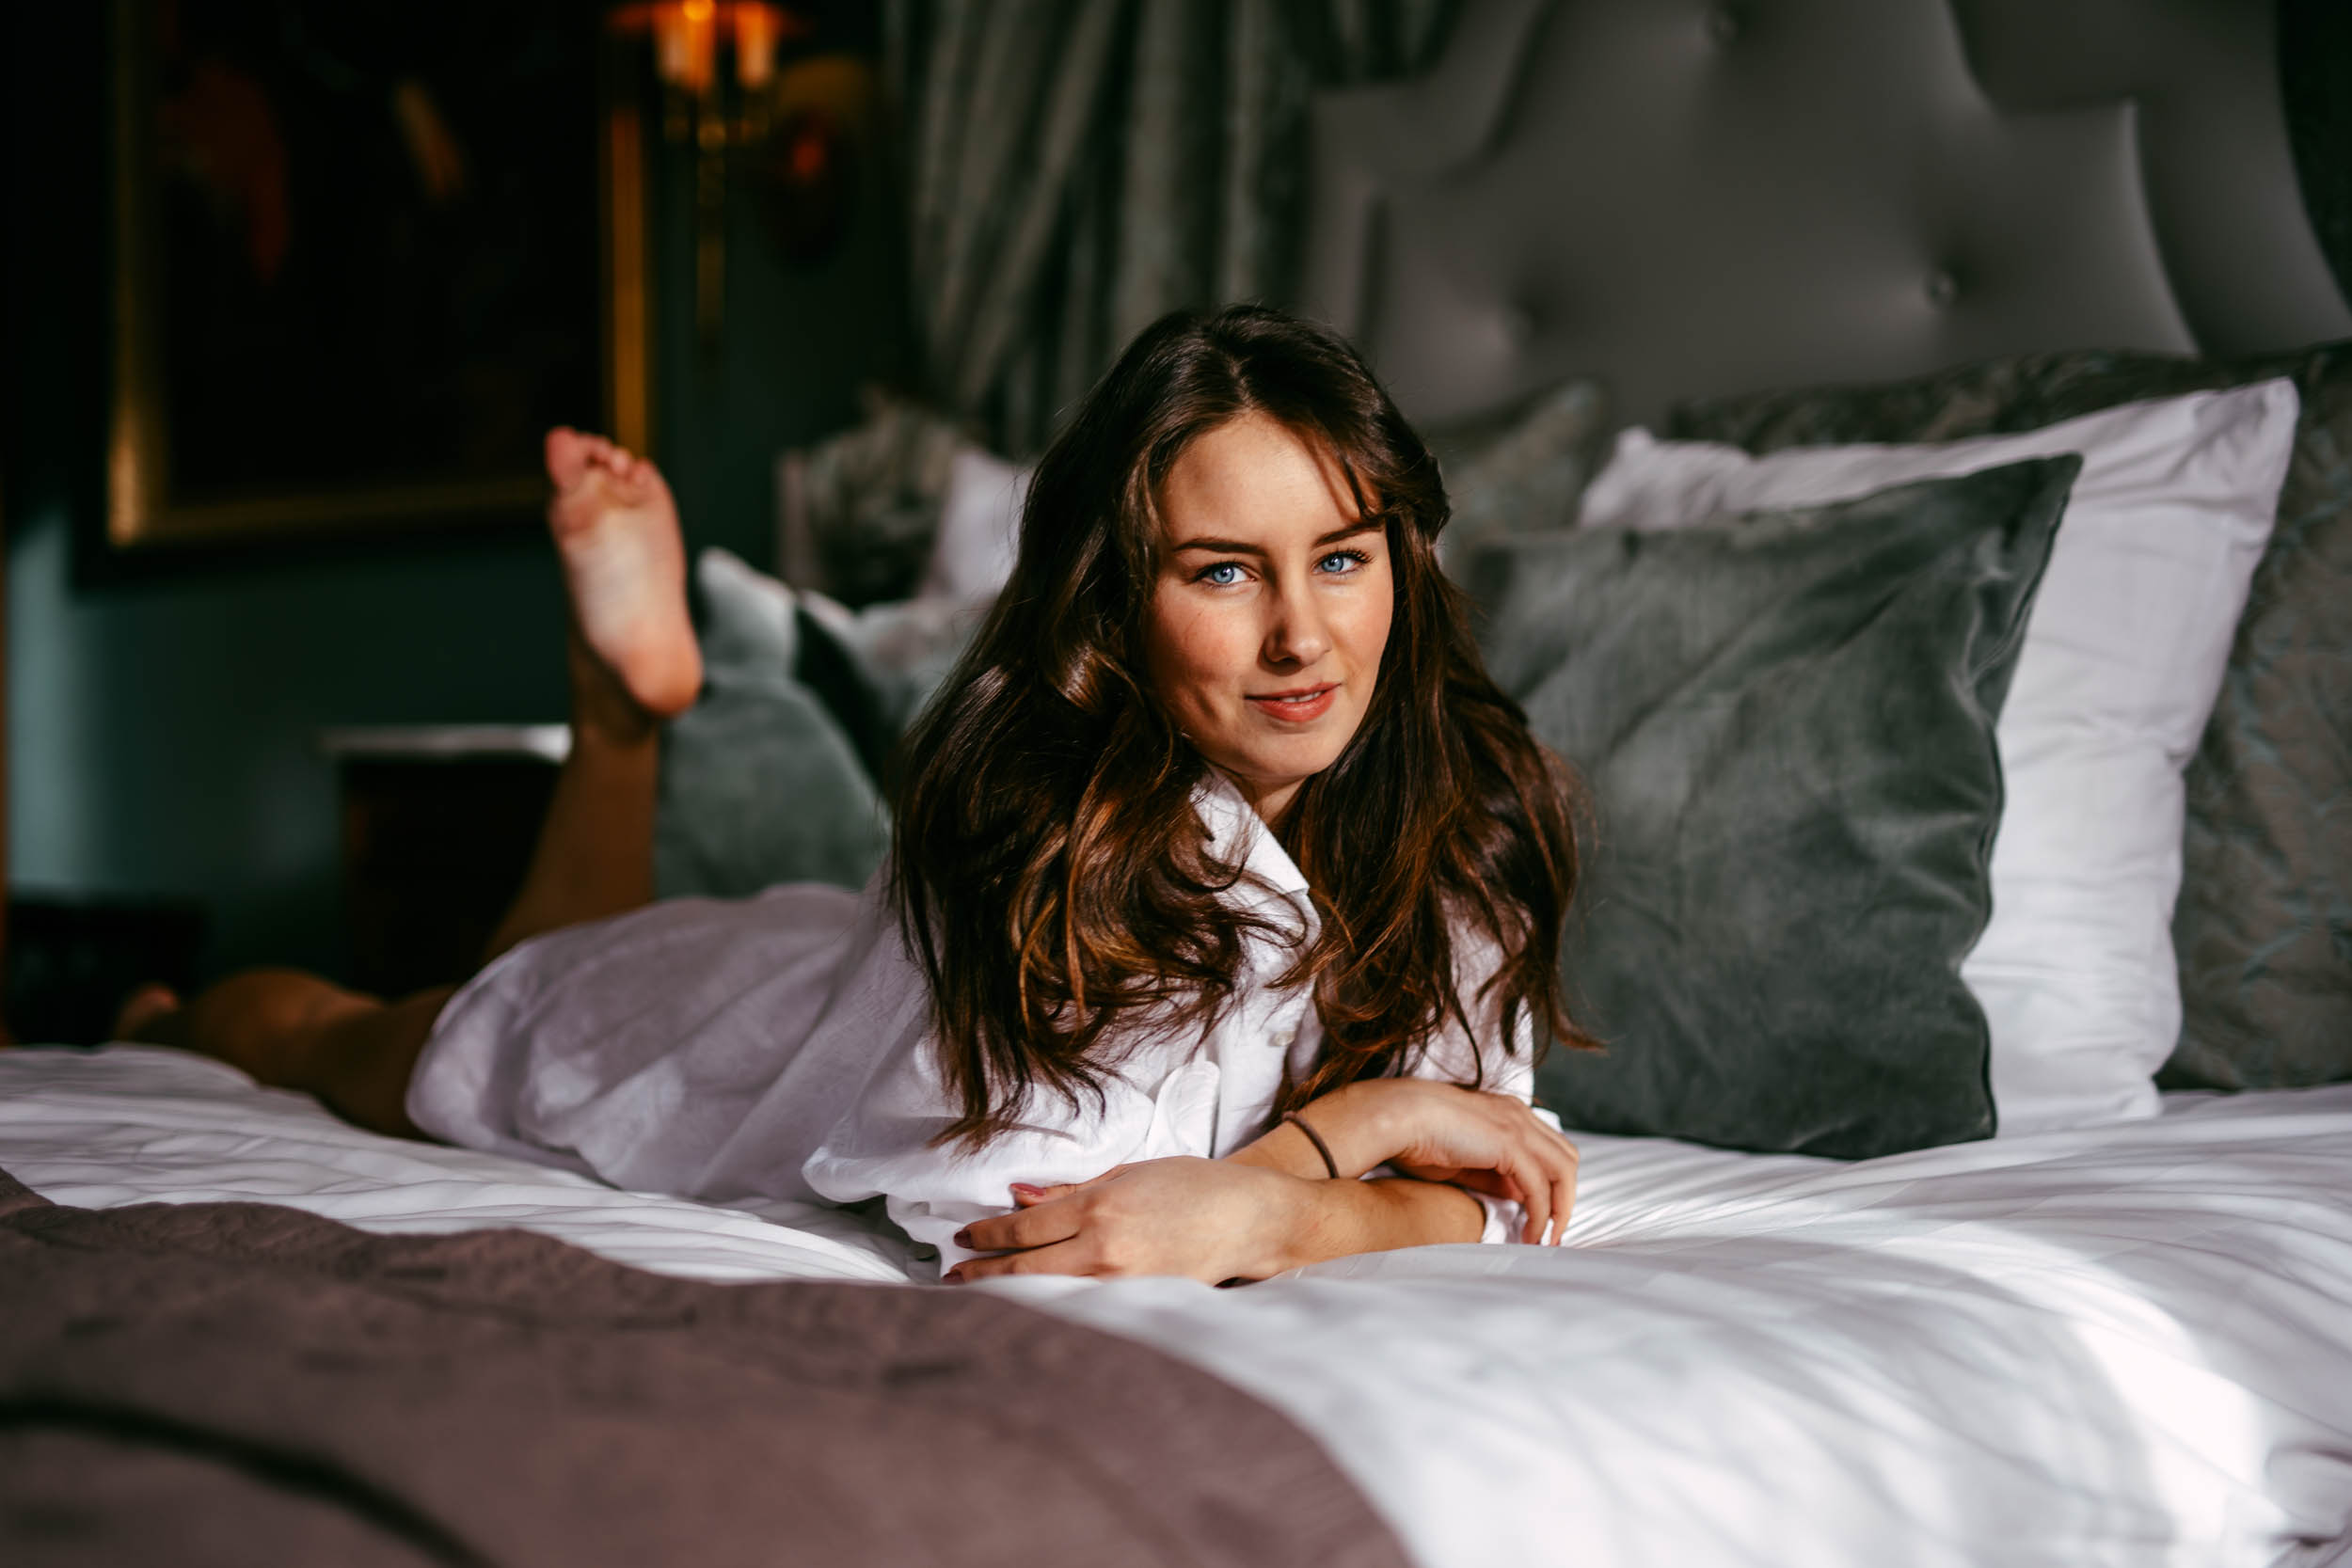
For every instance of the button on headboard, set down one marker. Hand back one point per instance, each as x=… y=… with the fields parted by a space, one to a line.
x=1695 y=197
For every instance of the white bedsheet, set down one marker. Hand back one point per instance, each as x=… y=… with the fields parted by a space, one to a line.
x=2129 y=1346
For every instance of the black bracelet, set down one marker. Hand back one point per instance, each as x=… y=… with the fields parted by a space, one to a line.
x=1316 y=1138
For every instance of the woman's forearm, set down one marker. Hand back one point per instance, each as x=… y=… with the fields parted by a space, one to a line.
x=1353 y=1123
x=1334 y=1219
x=1328 y=1218
x=1449 y=1136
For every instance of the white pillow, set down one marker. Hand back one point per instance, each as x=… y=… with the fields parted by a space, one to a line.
x=2121 y=661
x=979 y=528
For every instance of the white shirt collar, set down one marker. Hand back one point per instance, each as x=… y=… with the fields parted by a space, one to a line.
x=1238 y=837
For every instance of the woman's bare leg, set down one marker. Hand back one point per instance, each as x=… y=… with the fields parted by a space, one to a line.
x=633 y=662
x=294 y=1030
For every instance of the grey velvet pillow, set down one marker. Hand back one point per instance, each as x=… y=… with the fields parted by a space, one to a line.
x=870 y=498
x=1525 y=471
x=1787 y=727
x=758 y=783
x=2263 y=929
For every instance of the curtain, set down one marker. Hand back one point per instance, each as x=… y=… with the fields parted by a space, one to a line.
x=1075 y=169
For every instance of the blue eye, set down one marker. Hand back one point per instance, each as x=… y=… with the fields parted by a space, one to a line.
x=1348 y=561
x=1224 y=574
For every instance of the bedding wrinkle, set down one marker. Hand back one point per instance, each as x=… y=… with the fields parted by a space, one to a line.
x=2117 y=1345
x=502 y=1399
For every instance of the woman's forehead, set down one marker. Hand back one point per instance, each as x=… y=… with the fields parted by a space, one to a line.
x=1256 y=474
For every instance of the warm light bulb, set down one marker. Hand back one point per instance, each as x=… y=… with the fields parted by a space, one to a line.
x=757 y=28
x=688 y=38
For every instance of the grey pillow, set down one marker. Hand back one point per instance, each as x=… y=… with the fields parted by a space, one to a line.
x=1787 y=726
x=2263 y=929
x=1525 y=471
x=870 y=498
x=877 y=667
x=758 y=783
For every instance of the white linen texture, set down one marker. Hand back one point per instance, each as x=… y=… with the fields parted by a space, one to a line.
x=2124 y=656
x=2123 y=1347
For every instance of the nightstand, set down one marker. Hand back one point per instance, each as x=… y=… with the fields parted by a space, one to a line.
x=438 y=821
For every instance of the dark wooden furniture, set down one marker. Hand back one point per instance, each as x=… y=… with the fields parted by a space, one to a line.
x=72 y=960
x=437 y=827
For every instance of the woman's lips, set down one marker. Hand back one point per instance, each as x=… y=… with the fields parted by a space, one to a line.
x=1297 y=708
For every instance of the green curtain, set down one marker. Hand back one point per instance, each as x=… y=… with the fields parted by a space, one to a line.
x=1077 y=167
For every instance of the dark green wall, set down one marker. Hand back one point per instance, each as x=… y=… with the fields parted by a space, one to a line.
x=162 y=726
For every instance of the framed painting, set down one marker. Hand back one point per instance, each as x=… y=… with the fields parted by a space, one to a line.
x=365 y=252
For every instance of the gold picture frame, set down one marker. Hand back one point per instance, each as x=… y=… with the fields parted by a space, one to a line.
x=146 y=512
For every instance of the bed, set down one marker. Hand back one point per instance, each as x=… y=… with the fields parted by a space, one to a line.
x=2123 y=1339
x=2122 y=1346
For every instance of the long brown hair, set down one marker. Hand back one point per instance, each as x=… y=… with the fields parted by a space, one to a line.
x=1051 y=874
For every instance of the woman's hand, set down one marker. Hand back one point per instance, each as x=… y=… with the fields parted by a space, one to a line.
x=1438 y=1132
x=1270 y=1207
x=1211 y=1220
x=1493 y=1143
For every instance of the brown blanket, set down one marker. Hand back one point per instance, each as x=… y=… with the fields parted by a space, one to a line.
x=240 y=1382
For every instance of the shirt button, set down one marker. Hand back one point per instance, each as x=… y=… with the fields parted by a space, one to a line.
x=1285 y=1037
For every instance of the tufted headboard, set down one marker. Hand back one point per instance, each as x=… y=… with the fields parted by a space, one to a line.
x=1696 y=197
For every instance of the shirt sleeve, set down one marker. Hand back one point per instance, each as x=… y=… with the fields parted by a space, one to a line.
x=1481 y=1057
x=885 y=1146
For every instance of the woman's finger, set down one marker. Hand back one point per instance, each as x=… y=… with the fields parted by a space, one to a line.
x=1570 y=1164
x=1560 y=1162
x=1030 y=1194
x=1054 y=1220
x=1536 y=1183
x=1530 y=1188
x=1548 y=1171
x=1066 y=1257
x=1493 y=1183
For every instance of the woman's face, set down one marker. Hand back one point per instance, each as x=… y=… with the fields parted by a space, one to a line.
x=1271 y=608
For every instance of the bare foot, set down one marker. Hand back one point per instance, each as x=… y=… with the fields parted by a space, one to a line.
x=617 y=531
x=147 y=1014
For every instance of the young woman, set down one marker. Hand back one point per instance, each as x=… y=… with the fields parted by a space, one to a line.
x=1222 y=876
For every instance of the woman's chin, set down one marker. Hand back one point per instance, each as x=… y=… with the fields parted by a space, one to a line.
x=1265 y=774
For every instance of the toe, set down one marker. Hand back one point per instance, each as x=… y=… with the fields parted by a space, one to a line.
x=646 y=477
x=569 y=454
x=142 y=1009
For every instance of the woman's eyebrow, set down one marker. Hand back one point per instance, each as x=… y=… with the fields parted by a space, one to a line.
x=1238 y=547
x=1362 y=525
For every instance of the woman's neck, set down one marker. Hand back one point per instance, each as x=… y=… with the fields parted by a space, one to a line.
x=1270 y=802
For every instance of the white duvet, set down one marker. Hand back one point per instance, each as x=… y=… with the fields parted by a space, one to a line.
x=2128 y=1346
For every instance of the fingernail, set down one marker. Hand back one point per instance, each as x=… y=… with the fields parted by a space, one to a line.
x=1027 y=1188
x=963 y=1238
x=953 y=1277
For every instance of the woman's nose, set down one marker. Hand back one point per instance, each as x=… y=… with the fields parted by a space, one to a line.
x=1297 y=636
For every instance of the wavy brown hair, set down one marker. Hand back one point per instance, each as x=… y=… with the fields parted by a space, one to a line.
x=1051 y=874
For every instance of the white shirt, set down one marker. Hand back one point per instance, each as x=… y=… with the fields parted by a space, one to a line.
x=781 y=1047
